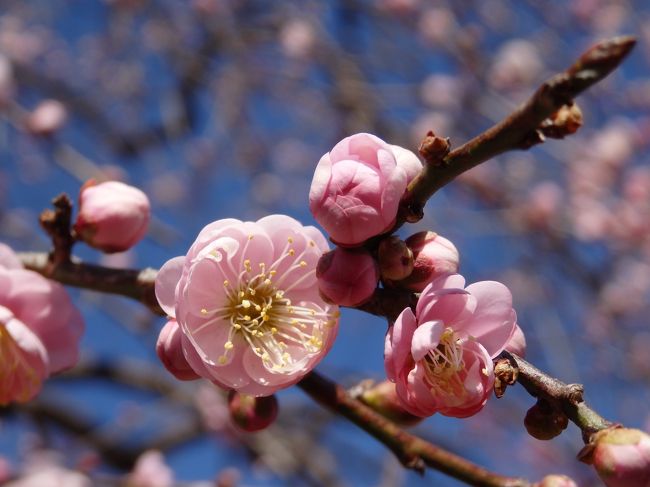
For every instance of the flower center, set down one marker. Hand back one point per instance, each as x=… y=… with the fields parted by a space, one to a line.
x=282 y=333
x=443 y=363
x=18 y=379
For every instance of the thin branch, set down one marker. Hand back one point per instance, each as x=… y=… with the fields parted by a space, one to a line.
x=565 y=397
x=520 y=130
x=412 y=452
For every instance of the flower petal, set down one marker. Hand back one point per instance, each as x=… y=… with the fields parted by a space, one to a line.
x=166 y=281
x=425 y=338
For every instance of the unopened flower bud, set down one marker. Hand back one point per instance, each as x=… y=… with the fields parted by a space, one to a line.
x=566 y=121
x=395 y=258
x=47 y=118
x=170 y=352
x=112 y=217
x=433 y=256
x=383 y=399
x=556 y=481
x=544 y=422
x=517 y=342
x=347 y=277
x=621 y=456
x=252 y=413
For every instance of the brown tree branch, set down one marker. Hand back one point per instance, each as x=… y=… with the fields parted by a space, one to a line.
x=521 y=129
x=567 y=398
x=413 y=452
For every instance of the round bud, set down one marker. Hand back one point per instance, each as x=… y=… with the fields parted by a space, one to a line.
x=545 y=422
x=252 y=413
x=170 y=352
x=395 y=258
x=347 y=277
x=112 y=217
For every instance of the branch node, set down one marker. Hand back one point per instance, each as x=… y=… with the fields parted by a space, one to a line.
x=56 y=224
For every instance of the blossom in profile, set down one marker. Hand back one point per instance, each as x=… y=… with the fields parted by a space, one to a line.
x=440 y=357
x=39 y=330
x=113 y=216
x=246 y=300
x=357 y=187
x=347 y=277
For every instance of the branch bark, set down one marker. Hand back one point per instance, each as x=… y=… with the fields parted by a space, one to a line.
x=520 y=130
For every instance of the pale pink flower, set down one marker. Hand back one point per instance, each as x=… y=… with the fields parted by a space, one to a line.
x=433 y=256
x=357 y=187
x=440 y=358
x=347 y=277
x=246 y=299
x=39 y=329
x=150 y=470
x=169 y=348
x=113 y=216
x=48 y=117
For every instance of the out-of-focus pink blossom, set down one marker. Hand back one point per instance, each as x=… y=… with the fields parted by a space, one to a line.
x=246 y=299
x=556 y=481
x=440 y=358
x=170 y=352
x=621 y=456
x=437 y=25
x=433 y=256
x=6 y=79
x=39 y=329
x=517 y=63
x=252 y=413
x=357 y=187
x=347 y=277
x=150 y=470
x=47 y=118
x=517 y=342
x=113 y=216
x=442 y=91
x=543 y=205
x=297 y=38
x=51 y=476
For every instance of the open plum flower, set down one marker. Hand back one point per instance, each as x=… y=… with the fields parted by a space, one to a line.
x=440 y=358
x=357 y=187
x=246 y=300
x=39 y=330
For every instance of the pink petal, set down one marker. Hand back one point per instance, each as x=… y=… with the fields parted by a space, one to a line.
x=401 y=334
x=8 y=259
x=425 y=338
x=320 y=182
x=450 y=306
x=166 y=281
x=494 y=319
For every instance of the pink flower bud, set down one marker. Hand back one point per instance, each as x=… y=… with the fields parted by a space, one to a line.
x=621 y=456
x=170 y=352
x=347 y=277
x=556 y=481
x=252 y=413
x=112 y=216
x=395 y=258
x=433 y=256
x=48 y=117
x=517 y=342
x=357 y=187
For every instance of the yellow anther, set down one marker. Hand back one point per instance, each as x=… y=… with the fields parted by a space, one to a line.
x=246 y=303
x=266 y=318
x=286 y=356
x=266 y=356
x=312 y=312
x=274 y=330
x=250 y=237
x=236 y=326
x=312 y=243
x=258 y=350
x=273 y=273
x=242 y=294
x=267 y=281
x=290 y=239
x=204 y=311
x=226 y=283
x=223 y=359
x=247 y=317
x=303 y=263
x=279 y=294
x=247 y=263
x=228 y=345
x=252 y=291
x=258 y=307
x=292 y=252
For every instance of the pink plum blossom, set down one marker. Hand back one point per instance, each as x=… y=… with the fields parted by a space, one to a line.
x=357 y=187
x=39 y=329
x=440 y=358
x=246 y=300
x=621 y=456
x=113 y=216
x=433 y=256
x=347 y=277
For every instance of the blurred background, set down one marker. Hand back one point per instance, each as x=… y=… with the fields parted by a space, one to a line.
x=222 y=108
